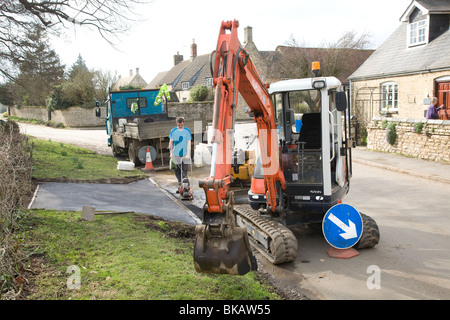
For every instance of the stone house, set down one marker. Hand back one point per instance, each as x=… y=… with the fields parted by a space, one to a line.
x=134 y=80
x=185 y=74
x=409 y=68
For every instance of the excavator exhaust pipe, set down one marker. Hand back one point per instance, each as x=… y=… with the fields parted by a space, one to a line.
x=223 y=249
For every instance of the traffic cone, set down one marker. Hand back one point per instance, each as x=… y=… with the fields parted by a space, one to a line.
x=148 y=160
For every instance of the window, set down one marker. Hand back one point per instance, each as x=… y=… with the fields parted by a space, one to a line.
x=418 y=33
x=209 y=82
x=185 y=85
x=277 y=101
x=142 y=102
x=389 y=96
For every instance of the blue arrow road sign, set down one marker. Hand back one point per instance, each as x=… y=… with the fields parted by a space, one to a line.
x=342 y=226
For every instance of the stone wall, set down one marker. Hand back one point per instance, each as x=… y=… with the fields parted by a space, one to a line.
x=201 y=110
x=432 y=143
x=71 y=117
x=81 y=117
x=36 y=113
x=191 y=111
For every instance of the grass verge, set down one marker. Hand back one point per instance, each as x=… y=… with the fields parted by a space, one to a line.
x=59 y=161
x=35 y=121
x=114 y=257
x=125 y=257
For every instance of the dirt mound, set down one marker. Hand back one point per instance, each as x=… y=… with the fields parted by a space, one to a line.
x=170 y=229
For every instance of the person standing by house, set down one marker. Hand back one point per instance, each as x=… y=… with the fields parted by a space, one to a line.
x=180 y=149
x=432 y=112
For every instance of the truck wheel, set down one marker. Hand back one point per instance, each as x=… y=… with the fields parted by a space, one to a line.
x=370 y=234
x=132 y=153
x=114 y=149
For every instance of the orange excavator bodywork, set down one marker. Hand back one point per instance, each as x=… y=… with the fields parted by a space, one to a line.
x=218 y=239
x=234 y=73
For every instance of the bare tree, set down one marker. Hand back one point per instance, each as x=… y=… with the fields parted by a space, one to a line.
x=108 y=17
x=343 y=57
x=339 y=58
x=103 y=81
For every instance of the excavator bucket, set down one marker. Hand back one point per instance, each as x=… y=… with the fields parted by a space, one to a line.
x=223 y=250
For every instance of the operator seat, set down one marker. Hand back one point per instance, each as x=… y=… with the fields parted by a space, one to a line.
x=310 y=132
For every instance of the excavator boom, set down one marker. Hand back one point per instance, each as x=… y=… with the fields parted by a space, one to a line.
x=220 y=245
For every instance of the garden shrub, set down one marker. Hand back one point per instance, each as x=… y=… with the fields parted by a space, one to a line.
x=391 y=133
x=15 y=190
x=199 y=93
x=418 y=126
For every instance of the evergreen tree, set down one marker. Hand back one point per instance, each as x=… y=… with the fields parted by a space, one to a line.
x=77 y=67
x=40 y=68
x=80 y=90
x=77 y=90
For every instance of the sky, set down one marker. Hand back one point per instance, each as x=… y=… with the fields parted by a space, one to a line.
x=165 y=27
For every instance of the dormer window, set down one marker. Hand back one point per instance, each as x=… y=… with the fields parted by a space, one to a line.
x=418 y=33
x=185 y=85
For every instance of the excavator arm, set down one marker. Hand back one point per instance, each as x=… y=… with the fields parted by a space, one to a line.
x=221 y=246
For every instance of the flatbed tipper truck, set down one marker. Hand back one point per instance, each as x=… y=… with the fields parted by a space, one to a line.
x=134 y=122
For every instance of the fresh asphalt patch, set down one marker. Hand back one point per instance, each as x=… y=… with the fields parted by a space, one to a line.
x=143 y=196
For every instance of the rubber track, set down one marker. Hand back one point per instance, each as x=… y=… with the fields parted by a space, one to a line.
x=283 y=245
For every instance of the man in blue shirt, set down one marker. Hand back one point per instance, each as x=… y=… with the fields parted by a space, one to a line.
x=180 y=149
x=432 y=112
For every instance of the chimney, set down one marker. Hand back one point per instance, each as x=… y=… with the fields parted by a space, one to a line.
x=137 y=71
x=193 y=50
x=177 y=58
x=131 y=72
x=248 y=35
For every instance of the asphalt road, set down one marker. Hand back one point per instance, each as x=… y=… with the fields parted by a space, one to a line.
x=412 y=260
x=90 y=139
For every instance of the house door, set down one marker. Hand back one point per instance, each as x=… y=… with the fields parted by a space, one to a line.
x=443 y=95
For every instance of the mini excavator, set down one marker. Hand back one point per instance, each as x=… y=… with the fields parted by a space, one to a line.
x=301 y=174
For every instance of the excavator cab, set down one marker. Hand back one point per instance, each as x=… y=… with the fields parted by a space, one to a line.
x=314 y=144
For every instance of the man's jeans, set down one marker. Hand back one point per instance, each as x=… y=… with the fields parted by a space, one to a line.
x=182 y=167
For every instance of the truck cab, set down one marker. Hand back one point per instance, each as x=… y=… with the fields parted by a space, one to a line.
x=125 y=109
x=135 y=104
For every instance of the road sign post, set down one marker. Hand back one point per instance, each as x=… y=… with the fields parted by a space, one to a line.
x=342 y=226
